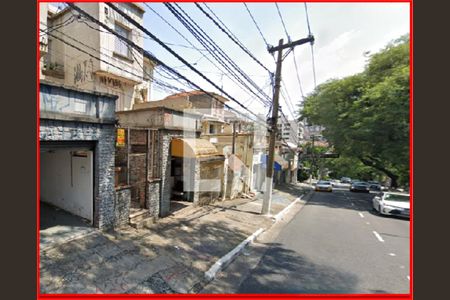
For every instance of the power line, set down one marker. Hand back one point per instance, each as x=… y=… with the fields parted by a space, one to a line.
x=229 y=74
x=232 y=37
x=55 y=27
x=137 y=25
x=156 y=81
x=148 y=38
x=257 y=27
x=204 y=38
x=307 y=18
x=312 y=46
x=102 y=60
x=282 y=22
x=293 y=52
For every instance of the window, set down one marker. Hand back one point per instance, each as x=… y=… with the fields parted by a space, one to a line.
x=212 y=129
x=121 y=47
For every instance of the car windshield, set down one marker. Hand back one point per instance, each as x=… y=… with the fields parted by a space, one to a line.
x=396 y=197
x=323 y=182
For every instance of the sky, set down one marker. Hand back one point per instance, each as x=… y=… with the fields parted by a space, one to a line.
x=343 y=32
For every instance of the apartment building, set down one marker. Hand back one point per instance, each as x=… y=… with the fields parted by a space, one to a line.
x=77 y=52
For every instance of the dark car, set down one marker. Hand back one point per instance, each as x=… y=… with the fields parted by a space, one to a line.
x=374 y=186
x=346 y=180
x=360 y=186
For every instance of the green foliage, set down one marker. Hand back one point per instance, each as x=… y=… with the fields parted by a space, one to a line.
x=366 y=116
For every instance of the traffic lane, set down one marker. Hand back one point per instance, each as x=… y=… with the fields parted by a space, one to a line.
x=326 y=248
x=394 y=231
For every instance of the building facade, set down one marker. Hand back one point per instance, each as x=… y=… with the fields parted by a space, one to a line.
x=79 y=53
x=77 y=153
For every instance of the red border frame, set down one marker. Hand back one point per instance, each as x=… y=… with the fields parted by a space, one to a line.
x=236 y=296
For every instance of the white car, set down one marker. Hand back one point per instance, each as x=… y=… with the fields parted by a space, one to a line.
x=391 y=203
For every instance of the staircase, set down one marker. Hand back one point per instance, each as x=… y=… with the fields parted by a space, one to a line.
x=140 y=218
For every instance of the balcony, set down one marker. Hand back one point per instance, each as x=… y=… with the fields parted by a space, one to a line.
x=53 y=69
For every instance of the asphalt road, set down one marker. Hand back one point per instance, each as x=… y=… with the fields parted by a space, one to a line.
x=335 y=244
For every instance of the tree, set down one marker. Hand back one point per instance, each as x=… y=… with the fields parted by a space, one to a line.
x=366 y=116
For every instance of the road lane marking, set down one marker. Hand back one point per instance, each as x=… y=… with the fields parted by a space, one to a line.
x=392 y=254
x=378 y=236
x=361 y=215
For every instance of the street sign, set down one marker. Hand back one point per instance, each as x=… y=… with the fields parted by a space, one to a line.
x=120 y=137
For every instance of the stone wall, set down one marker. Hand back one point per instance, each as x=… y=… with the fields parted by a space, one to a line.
x=153 y=197
x=122 y=206
x=166 y=188
x=166 y=136
x=208 y=177
x=138 y=176
x=104 y=137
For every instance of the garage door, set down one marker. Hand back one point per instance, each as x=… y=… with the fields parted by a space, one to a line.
x=67 y=178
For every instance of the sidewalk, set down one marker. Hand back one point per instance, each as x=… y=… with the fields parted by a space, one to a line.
x=170 y=257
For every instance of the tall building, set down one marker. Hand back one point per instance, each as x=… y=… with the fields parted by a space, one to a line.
x=288 y=130
x=103 y=62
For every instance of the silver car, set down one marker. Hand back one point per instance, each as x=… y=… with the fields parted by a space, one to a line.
x=324 y=185
x=391 y=203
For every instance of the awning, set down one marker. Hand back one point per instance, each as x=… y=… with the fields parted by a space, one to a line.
x=193 y=148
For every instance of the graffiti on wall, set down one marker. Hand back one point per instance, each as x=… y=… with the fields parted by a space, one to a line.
x=83 y=72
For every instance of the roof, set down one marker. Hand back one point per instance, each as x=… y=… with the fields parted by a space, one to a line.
x=162 y=108
x=193 y=148
x=281 y=161
x=196 y=93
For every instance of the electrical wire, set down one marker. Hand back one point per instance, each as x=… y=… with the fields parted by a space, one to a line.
x=282 y=22
x=99 y=59
x=156 y=81
x=312 y=46
x=232 y=37
x=228 y=73
x=204 y=38
x=137 y=25
x=257 y=27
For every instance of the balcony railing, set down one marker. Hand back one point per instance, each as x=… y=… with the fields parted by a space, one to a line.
x=53 y=69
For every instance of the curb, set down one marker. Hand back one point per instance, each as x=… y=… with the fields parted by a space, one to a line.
x=278 y=216
x=226 y=259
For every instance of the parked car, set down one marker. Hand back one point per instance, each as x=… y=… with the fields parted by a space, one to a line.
x=392 y=203
x=346 y=180
x=374 y=185
x=359 y=186
x=324 y=185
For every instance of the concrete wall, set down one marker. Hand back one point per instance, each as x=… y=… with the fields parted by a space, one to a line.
x=159 y=117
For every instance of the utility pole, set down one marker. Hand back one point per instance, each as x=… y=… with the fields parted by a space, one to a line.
x=274 y=120
x=313 y=160
x=233 y=149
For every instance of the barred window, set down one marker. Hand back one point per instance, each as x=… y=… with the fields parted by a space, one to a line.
x=121 y=47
